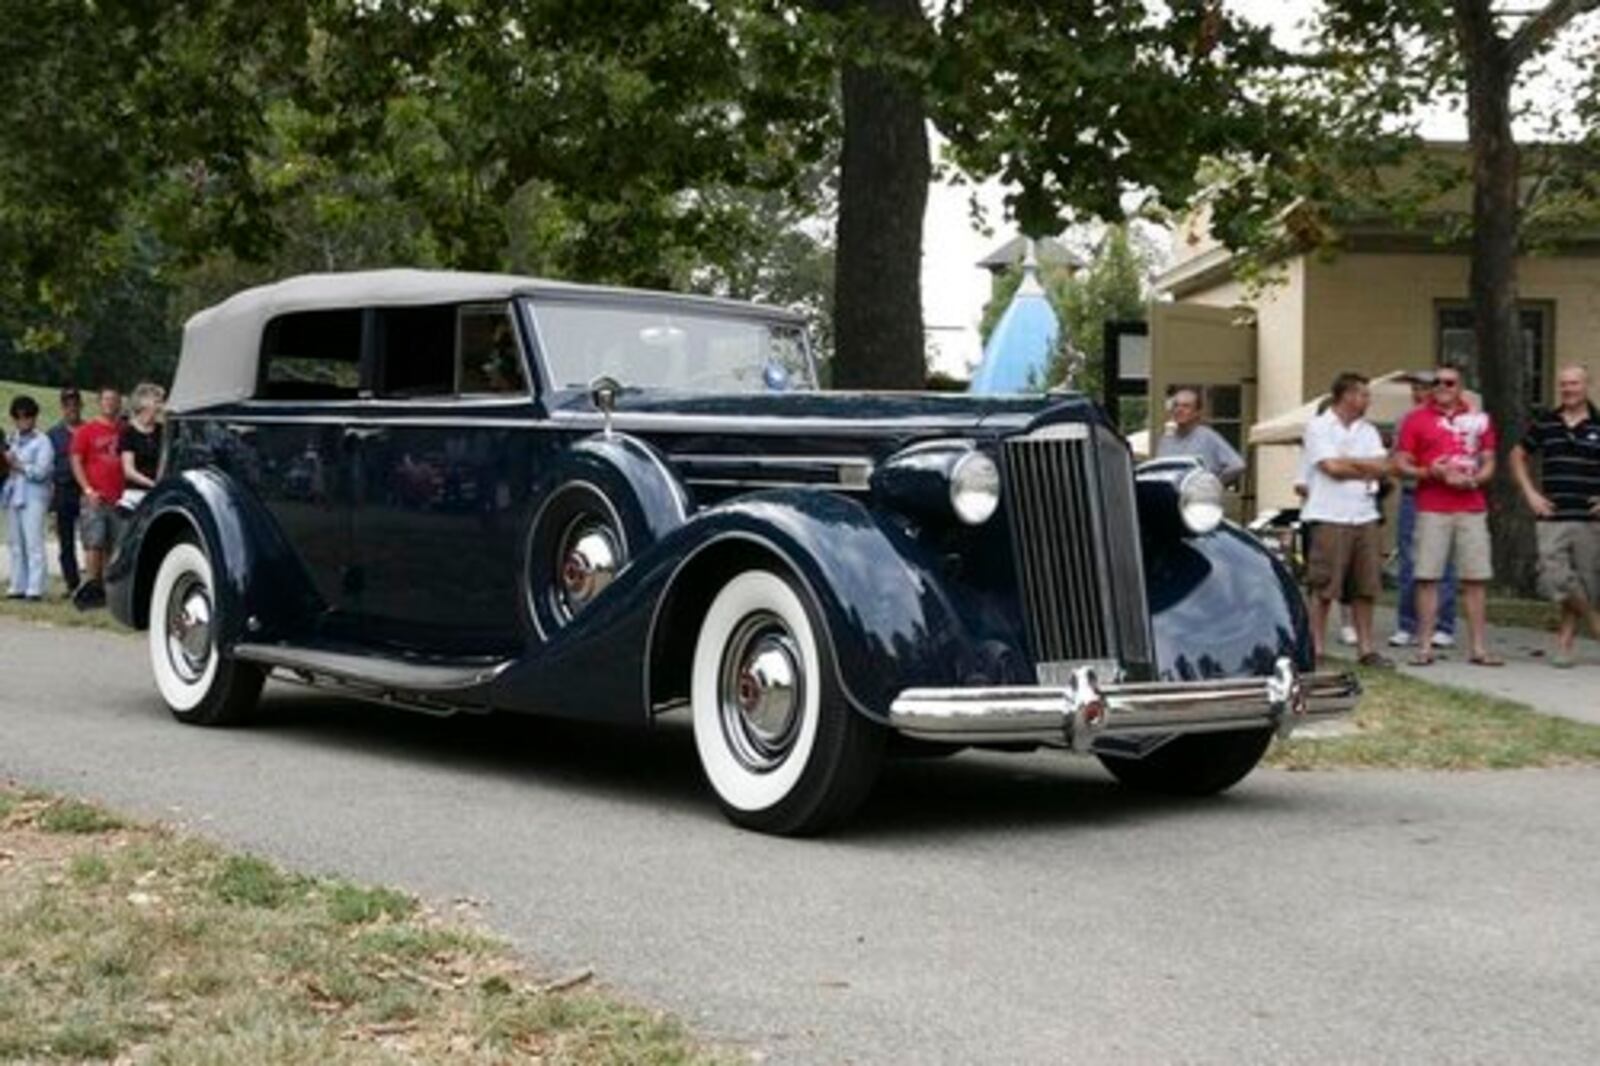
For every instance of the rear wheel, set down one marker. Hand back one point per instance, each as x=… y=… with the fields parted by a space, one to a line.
x=781 y=747
x=200 y=685
x=1199 y=765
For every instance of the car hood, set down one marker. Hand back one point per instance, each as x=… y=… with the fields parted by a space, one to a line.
x=828 y=413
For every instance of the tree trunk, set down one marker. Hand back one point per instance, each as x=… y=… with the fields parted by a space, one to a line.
x=883 y=192
x=1490 y=72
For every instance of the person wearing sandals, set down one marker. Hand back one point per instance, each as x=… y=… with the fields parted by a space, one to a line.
x=1448 y=447
x=1566 y=502
x=1345 y=463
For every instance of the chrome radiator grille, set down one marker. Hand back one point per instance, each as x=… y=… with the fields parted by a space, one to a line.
x=1075 y=534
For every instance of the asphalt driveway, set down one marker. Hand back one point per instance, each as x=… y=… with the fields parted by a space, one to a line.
x=986 y=909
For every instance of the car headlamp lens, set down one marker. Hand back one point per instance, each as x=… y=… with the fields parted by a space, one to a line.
x=1200 y=501
x=974 y=488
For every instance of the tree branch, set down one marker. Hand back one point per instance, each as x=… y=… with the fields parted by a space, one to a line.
x=1544 y=25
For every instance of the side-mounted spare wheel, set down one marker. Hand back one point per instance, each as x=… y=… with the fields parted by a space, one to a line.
x=781 y=747
x=200 y=684
x=1202 y=764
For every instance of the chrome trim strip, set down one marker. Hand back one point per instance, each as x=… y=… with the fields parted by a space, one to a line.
x=749 y=483
x=772 y=460
x=1075 y=714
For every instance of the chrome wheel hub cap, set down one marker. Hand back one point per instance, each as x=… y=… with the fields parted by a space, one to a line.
x=189 y=639
x=761 y=691
x=588 y=563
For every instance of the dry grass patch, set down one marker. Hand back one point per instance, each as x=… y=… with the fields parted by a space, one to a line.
x=125 y=942
x=1404 y=723
x=56 y=610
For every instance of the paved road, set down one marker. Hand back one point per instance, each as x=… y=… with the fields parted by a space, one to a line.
x=988 y=909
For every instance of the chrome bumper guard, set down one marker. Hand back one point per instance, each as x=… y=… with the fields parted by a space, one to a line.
x=1083 y=711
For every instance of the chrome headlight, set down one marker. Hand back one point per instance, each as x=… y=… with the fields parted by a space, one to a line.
x=1200 y=501
x=974 y=488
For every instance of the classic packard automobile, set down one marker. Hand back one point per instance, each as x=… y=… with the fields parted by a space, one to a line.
x=474 y=493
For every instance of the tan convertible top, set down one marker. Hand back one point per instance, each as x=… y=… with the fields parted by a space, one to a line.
x=222 y=344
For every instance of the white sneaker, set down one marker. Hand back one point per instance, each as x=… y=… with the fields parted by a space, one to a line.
x=1347 y=636
x=1443 y=640
x=1401 y=639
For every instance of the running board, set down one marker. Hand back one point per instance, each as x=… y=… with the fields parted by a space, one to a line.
x=421 y=686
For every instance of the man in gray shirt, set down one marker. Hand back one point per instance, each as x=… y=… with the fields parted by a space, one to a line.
x=1194 y=437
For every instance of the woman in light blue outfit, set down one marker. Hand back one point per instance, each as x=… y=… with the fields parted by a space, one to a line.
x=25 y=497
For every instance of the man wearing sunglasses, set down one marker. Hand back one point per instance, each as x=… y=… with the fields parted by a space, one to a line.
x=1449 y=449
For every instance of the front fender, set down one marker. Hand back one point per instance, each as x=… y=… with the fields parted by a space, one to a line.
x=260 y=585
x=1222 y=606
x=885 y=615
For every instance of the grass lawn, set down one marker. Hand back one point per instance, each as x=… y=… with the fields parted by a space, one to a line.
x=129 y=942
x=1404 y=723
x=56 y=610
x=1505 y=610
x=44 y=395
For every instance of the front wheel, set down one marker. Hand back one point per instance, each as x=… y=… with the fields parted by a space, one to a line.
x=1199 y=765
x=783 y=750
x=200 y=685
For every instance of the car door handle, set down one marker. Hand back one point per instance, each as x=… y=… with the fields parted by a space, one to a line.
x=242 y=430
x=358 y=434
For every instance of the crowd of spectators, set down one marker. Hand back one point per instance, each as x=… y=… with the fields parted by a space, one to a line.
x=85 y=473
x=1444 y=457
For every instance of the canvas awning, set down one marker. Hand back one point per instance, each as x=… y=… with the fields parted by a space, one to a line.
x=1391 y=400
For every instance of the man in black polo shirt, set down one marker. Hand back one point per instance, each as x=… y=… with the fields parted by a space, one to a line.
x=1567 y=504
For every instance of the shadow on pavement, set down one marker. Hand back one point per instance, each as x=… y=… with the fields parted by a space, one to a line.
x=973 y=792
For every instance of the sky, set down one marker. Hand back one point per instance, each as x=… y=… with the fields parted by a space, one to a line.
x=954 y=288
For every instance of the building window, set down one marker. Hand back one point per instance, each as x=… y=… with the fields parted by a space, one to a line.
x=1457 y=345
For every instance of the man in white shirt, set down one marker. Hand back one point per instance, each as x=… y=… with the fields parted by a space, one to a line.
x=1345 y=462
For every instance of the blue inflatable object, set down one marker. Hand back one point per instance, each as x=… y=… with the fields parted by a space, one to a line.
x=1017 y=357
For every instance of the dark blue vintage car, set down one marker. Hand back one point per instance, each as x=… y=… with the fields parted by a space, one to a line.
x=476 y=493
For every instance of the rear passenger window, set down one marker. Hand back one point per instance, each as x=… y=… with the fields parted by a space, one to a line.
x=312 y=355
x=416 y=348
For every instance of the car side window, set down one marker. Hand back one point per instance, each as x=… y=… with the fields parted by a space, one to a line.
x=415 y=349
x=487 y=359
x=311 y=355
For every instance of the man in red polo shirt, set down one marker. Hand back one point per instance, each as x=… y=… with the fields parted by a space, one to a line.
x=97 y=467
x=1449 y=448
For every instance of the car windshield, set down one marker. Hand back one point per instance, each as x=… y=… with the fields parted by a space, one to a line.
x=668 y=348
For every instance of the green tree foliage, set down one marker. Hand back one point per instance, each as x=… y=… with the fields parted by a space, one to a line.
x=1372 y=65
x=187 y=149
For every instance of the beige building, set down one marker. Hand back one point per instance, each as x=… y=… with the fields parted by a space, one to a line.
x=1389 y=300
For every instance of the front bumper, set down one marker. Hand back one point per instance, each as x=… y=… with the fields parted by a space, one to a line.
x=1083 y=711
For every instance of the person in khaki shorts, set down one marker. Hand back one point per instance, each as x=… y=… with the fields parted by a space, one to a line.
x=1345 y=461
x=1566 y=503
x=1449 y=448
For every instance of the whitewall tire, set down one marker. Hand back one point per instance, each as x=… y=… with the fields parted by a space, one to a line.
x=780 y=746
x=199 y=684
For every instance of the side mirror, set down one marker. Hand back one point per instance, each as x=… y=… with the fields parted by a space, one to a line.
x=603 y=393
